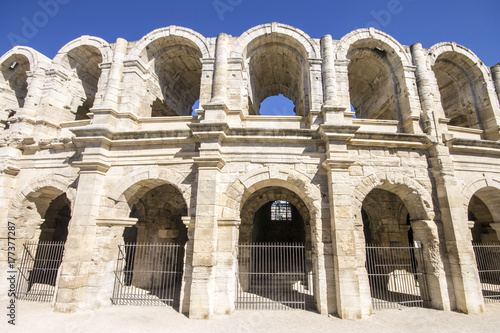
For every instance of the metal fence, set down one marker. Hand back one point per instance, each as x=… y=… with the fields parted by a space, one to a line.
x=38 y=271
x=396 y=276
x=273 y=276
x=488 y=266
x=148 y=274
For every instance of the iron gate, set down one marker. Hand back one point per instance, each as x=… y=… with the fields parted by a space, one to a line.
x=37 y=276
x=272 y=276
x=148 y=274
x=396 y=276
x=488 y=266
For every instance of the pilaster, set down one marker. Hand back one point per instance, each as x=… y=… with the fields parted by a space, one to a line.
x=77 y=265
x=351 y=279
x=205 y=235
x=462 y=262
x=426 y=232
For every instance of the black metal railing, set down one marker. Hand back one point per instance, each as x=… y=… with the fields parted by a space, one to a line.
x=273 y=276
x=148 y=274
x=396 y=275
x=488 y=266
x=38 y=269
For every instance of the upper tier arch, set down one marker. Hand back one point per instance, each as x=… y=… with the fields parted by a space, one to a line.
x=34 y=57
x=345 y=44
x=96 y=42
x=294 y=34
x=171 y=31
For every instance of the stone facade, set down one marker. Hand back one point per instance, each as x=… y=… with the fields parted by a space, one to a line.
x=102 y=136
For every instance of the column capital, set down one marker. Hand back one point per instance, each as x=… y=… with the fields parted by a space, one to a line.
x=210 y=162
x=92 y=166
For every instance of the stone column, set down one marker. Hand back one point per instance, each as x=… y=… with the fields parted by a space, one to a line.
x=105 y=113
x=216 y=110
x=461 y=258
x=204 y=261
x=328 y=71
x=410 y=106
x=188 y=266
x=428 y=91
x=77 y=262
x=112 y=93
x=219 y=86
x=134 y=78
x=336 y=105
x=23 y=122
x=109 y=234
x=351 y=279
x=426 y=232
x=227 y=261
x=495 y=71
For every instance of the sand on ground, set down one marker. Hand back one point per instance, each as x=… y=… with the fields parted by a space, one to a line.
x=40 y=317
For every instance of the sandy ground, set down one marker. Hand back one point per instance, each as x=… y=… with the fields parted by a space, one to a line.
x=40 y=317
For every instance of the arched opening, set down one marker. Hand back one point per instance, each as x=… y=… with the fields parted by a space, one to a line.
x=484 y=218
x=55 y=226
x=42 y=258
x=277 y=106
x=374 y=87
x=464 y=95
x=386 y=219
x=84 y=62
x=394 y=264
x=176 y=86
x=277 y=64
x=480 y=215
x=13 y=85
x=153 y=250
x=484 y=213
x=274 y=252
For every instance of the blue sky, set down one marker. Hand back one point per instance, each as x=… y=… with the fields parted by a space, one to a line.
x=47 y=25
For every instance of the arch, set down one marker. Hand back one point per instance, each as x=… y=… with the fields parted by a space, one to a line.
x=80 y=60
x=96 y=42
x=276 y=59
x=438 y=49
x=383 y=92
x=31 y=205
x=15 y=66
x=241 y=189
x=173 y=31
x=476 y=184
x=34 y=57
x=174 y=57
x=60 y=183
x=136 y=183
x=377 y=36
x=462 y=75
x=252 y=34
x=416 y=198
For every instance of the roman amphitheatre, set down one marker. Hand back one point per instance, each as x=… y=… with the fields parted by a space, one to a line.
x=143 y=173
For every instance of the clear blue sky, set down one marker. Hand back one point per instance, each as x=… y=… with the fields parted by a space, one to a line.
x=46 y=27
x=474 y=24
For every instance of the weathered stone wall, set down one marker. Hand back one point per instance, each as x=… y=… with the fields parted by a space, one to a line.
x=377 y=125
